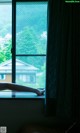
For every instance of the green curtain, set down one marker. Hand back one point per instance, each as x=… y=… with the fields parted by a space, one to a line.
x=62 y=81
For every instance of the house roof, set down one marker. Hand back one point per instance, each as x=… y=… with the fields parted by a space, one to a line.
x=21 y=66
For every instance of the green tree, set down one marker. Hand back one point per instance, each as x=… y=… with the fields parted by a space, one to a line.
x=5 y=52
x=2 y=56
x=26 y=41
x=8 y=50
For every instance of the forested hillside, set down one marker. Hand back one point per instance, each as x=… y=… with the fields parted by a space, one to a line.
x=31 y=15
x=31 y=27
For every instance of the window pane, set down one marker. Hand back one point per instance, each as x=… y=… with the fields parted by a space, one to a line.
x=5 y=42
x=31 y=27
x=31 y=71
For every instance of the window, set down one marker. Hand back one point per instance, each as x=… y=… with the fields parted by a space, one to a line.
x=26 y=78
x=26 y=65
x=31 y=43
x=2 y=76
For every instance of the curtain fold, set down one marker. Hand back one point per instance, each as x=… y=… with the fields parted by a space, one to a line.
x=63 y=59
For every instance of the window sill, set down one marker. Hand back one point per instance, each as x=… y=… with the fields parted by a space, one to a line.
x=20 y=95
x=27 y=95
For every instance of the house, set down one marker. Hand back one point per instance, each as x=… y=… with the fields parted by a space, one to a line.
x=24 y=72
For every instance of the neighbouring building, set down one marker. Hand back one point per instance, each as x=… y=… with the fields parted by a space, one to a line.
x=24 y=72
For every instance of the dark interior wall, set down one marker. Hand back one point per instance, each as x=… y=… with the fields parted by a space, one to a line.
x=16 y=113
